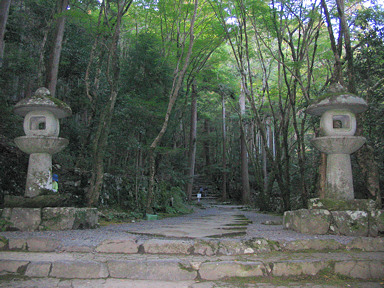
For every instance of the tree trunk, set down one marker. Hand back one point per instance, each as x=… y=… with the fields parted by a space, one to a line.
x=4 y=10
x=192 y=142
x=99 y=147
x=322 y=174
x=224 y=163
x=207 y=143
x=245 y=193
x=369 y=168
x=54 y=59
x=101 y=137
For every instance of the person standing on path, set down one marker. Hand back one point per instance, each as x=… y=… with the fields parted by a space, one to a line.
x=55 y=183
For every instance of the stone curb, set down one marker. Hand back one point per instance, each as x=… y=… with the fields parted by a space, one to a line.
x=367 y=266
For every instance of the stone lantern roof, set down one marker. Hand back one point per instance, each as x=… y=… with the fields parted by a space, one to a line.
x=338 y=98
x=42 y=100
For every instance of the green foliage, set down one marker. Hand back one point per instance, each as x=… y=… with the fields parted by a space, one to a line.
x=4 y=225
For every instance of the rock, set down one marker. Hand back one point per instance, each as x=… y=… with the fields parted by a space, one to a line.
x=118 y=246
x=350 y=223
x=316 y=221
x=161 y=270
x=78 y=269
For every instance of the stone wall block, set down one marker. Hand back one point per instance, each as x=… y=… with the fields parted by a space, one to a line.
x=159 y=246
x=223 y=269
x=361 y=269
x=79 y=269
x=351 y=223
x=118 y=246
x=298 y=268
x=38 y=269
x=160 y=270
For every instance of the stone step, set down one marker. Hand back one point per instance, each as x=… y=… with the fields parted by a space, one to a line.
x=199 y=246
x=360 y=265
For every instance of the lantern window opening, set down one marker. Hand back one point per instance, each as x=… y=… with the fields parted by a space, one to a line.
x=341 y=122
x=38 y=123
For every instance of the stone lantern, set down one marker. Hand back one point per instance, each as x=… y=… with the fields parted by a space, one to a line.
x=337 y=140
x=41 y=114
x=337 y=211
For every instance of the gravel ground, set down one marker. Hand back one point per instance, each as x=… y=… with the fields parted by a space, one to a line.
x=123 y=231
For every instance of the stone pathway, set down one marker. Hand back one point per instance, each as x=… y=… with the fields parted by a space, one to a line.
x=229 y=222
x=198 y=250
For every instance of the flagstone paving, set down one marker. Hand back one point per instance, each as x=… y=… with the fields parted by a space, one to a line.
x=198 y=250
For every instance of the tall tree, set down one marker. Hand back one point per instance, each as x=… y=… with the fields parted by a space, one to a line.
x=183 y=61
x=4 y=10
x=245 y=195
x=192 y=141
x=54 y=59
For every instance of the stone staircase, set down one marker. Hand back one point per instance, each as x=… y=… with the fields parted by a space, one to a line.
x=211 y=192
x=50 y=262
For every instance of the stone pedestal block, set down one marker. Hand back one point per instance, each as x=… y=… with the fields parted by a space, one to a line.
x=342 y=205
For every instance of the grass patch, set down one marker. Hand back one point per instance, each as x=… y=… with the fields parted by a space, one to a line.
x=322 y=279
